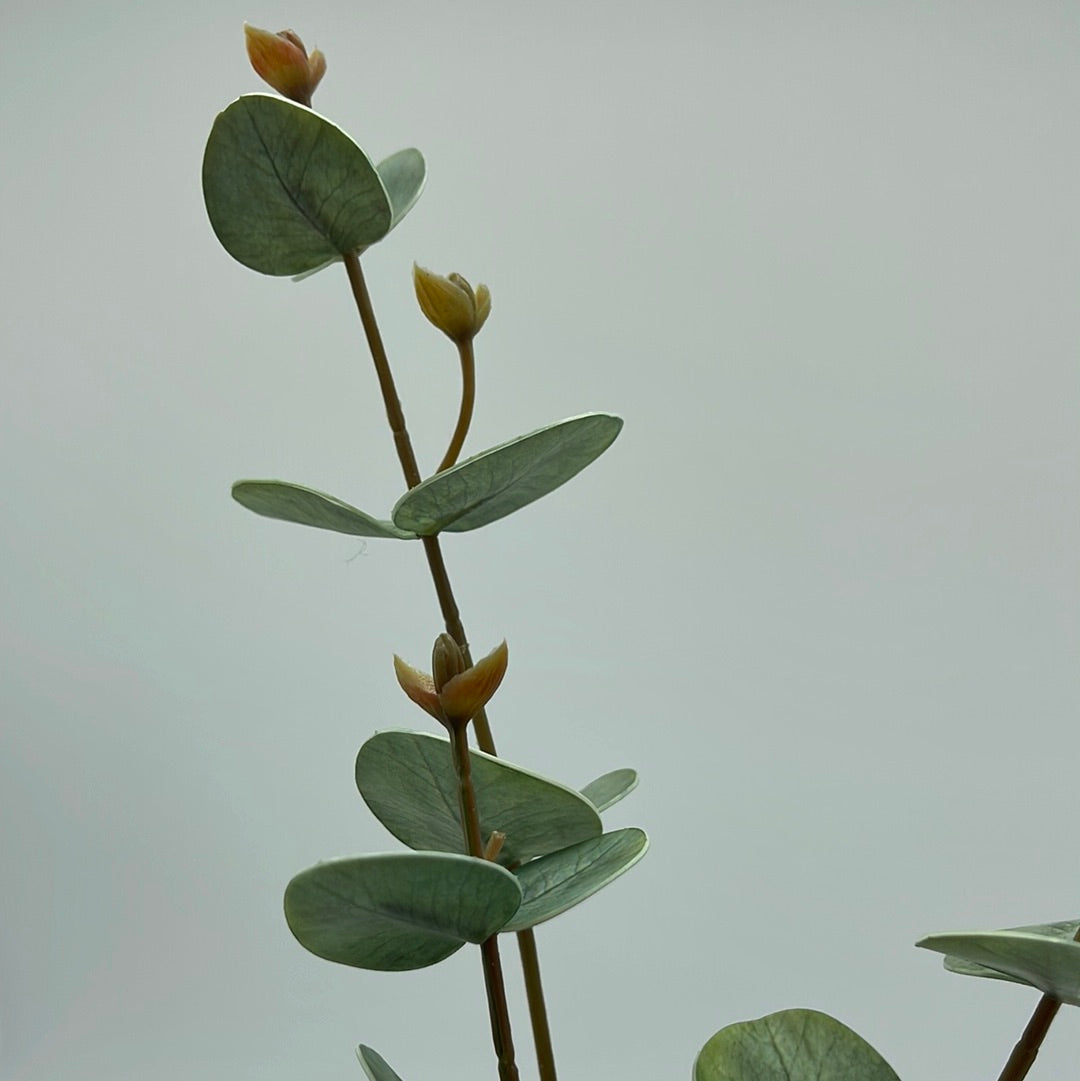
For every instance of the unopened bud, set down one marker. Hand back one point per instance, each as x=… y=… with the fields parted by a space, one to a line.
x=283 y=62
x=465 y=695
x=446 y=661
x=418 y=686
x=450 y=303
x=458 y=691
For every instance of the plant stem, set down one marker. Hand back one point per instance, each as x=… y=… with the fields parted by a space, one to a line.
x=489 y=949
x=534 y=992
x=1027 y=1047
x=403 y=444
x=452 y=620
x=468 y=398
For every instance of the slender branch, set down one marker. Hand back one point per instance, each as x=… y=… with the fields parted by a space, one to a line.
x=534 y=992
x=501 y=1035
x=394 y=413
x=468 y=398
x=1027 y=1047
x=451 y=619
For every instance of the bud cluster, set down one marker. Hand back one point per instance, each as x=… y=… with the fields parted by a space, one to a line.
x=456 y=692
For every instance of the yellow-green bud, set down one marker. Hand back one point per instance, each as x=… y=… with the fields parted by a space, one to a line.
x=450 y=304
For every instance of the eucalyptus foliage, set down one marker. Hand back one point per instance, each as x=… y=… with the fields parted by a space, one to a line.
x=488 y=847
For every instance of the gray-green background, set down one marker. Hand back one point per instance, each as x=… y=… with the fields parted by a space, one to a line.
x=822 y=592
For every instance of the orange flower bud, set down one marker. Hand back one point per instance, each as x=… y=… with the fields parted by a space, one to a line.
x=419 y=687
x=282 y=61
x=457 y=693
x=465 y=695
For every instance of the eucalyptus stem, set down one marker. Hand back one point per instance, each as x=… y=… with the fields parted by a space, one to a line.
x=489 y=949
x=452 y=620
x=1027 y=1047
x=468 y=398
x=534 y=993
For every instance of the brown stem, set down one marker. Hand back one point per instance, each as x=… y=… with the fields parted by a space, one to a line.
x=451 y=618
x=403 y=445
x=500 y=1020
x=534 y=992
x=468 y=398
x=501 y=1035
x=1027 y=1047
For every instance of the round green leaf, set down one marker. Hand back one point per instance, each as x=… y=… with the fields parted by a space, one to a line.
x=305 y=506
x=558 y=881
x=375 y=1065
x=408 y=781
x=1044 y=956
x=506 y=478
x=400 y=910
x=286 y=190
x=792 y=1045
x=610 y=788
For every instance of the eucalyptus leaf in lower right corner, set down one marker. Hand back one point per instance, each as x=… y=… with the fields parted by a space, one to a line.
x=375 y=1066
x=1044 y=955
x=792 y=1045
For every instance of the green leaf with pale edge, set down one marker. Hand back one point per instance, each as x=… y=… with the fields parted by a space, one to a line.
x=305 y=506
x=375 y=1065
x=610 y=788
x=506 y=478
x=399 y=910
x=1043 y=956
x=408 y=781
x=402 y=175
x=560 y=880
x=286 y=190
x=792 y=1045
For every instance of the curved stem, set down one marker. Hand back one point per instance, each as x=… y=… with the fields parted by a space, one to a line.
x=468 y=397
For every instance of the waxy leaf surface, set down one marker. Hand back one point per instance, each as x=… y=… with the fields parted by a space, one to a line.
x=500 y=481
x=792 y=1045
x=402 y=175
x=375 y=1066
x=400 y=910
x=305 y=506
x=558 y=881
x=610 y=788
x=1044 y=956
x=408 y=781
x=286 y=190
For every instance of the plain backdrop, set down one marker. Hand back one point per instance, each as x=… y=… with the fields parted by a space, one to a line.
x=822 y=592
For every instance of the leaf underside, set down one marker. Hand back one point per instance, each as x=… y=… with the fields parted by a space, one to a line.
x=1044 y=956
